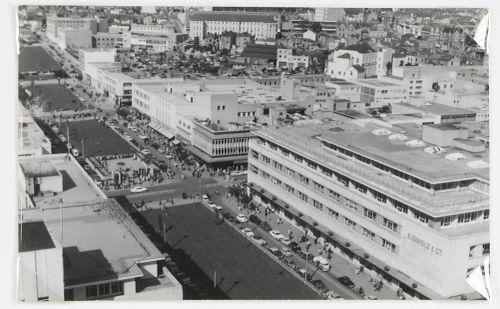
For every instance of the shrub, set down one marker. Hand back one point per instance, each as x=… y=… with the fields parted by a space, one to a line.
x=330 y=233
x=347 y=244
x=315 y=223
x=300 y=214
x=366 y=255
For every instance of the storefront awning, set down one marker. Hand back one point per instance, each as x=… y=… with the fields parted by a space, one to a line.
x=162 y=129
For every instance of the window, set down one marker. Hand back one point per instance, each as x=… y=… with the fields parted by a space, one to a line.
x=349 y=223
x=318 y=187
x=400 y=206
x=304 y=179
x=486 y=214
x=289 y=189
x=326 y=172
x=367 y=233
x=486 y=248
x=91 y=291
x=303 y=197
x=379 y=196
x=370 y=214
x=420 y=216
x=390 y=225
x=361 y=188
x=266 y=159
x=468 y=217
x=333 y=213
x=317 y=205
x=276 y=181
x=265 y=175
x=343 y=180
x=104 y=289
x=446 y=221
x=388 y=245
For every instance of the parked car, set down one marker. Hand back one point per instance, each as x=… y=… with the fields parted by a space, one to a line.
x=241 y=218
x=285 y=240
x=371 y=297
x=183 y=278
x=145 y=152
x=286 y=252
x=276 y=234
x=265 y=226
x=294 y=246
x=214 y=206
x=322 y=263
x=138 y=189
x=248 y=232
x=331 y=295
x=228 y=217
x=320 y=285
x=276 y=252
x=304 y=274
x=259 y=240
x=346 y=281
x=255 y=219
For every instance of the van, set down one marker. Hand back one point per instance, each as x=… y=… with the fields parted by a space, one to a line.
x=75 y=152
x=322 y=263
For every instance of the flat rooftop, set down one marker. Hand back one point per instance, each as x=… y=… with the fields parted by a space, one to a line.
x=415 y=161
x=100 y=241
x=440 y=109
x=34 y=236
x=374 y=83
x=40 y=168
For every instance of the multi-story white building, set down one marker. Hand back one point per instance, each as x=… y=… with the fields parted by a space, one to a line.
x=378 y=92
x=74 y=38
x=260 y=25
x=329 y=14
x=358 y=58
x=290 y=58
x=88 y=55
x=55 y=24
x=380 y=198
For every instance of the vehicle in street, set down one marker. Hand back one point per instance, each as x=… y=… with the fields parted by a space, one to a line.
x=320 y=285
x=183 y=278
x=255 y=219
x=241 y=218
x=75 y=152
x=285 y=240
x=205 y=197
x=346 y=281
x=331 y=295
x=138 y=189
x=371 y=297
x=259 y=240
x=276 y=234
x=265 y=226
x=276 y=252
x=286 y=252
x=228 y=217
x=303 y=273
x=294 y=246
x=213 y=205
x=322 y=263
x=127 y=137
x=145 y=152
x=248 y=232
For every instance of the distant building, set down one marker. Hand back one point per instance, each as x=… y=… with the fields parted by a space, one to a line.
x=353 y=62
x=260 y=25
x=377 y=93
x=329 y=14
x=55 y=24
x=74 y=38
x=291 y=59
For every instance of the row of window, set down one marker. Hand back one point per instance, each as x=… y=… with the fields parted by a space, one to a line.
x=345 y=220
x=104 y=289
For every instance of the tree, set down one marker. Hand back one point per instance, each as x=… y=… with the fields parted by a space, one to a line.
x=388 y=67
x=316 y=27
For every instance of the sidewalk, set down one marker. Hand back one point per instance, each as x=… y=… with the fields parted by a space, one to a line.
x=340 y=266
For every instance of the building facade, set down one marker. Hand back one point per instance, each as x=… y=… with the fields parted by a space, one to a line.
x=378 y=214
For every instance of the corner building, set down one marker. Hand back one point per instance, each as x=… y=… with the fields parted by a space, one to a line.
x=419 y=220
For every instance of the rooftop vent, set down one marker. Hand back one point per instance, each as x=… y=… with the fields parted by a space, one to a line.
x=455 y=156
x=435 y=150
x=381 y=132
x=415 y=143
x=398 y=137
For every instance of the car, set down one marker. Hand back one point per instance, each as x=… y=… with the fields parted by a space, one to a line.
x=304 y=274
x=133 y=128
x=286 y=252
x=128 y=137
x=241 y=218
x=320 y=285
x=346 y=281
x=255 y=219
x=145 y=152
x=301 y=254
x=276 y=234
x=331 y=295
x=228 y=217
x=371 y=297
x=213 y=205
x=248 y=232
x=285 y=240
x=259 y=240
x=138 y=189
x=265 y=226
x=276 y=252
x=205 y=197
x=294 y=246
